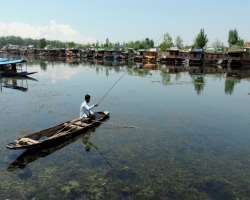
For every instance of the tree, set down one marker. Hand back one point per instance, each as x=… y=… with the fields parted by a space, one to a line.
x=148 y=43
x=71 y=45
x=143 y=44
x=42 y=43
x=179 y=42
x=167 y=42
x=201 y=40
x=218 y=45
x=234 y=39
x=107 y=42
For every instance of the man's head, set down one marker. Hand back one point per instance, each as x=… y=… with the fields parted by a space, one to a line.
x=87 y=98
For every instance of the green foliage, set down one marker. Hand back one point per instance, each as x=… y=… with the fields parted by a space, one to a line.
x=179 y=42
x=108 y=44
x=201 y=39
x=234 y=40
x=71 y=45
x=218 y=45
x=17 y=41
x=72 y=185
x=167 y=42
x=144 y=44
x=42 y=43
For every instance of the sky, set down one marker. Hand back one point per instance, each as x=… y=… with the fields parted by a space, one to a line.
x=124 y=20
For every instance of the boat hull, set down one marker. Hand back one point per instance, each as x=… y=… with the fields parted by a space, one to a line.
x=57 y=140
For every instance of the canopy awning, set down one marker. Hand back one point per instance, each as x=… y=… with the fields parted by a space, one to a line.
x=11 y=62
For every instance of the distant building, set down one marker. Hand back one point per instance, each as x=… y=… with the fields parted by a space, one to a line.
x=247 y=45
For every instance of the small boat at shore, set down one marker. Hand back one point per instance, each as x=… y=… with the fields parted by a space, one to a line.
x=57 y=134
x=13 y=68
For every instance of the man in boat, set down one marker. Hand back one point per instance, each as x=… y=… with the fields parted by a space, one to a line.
x=86 y=111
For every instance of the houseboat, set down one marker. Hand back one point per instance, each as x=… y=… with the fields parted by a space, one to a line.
x=139 y=56
x=213 y=58
x=112 y=55
x=73 y=53
x=196 y=57
x=150 y=55
x=172 y=57
x=99 y=54
x=90 y=53
x=131 y=54
x=238 y=59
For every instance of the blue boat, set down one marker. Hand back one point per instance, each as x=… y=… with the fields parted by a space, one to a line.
x=3 y=59
x=12 y=68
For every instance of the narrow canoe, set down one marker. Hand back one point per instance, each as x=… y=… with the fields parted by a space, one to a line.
x=57 y=134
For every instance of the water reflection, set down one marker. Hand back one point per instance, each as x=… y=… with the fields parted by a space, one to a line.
x=43 y=65
x=199 y=84
x=169 y=74
x=230 y=84
x=178 y=146
x=135 y=71
x=17 y=83
x=166 y=78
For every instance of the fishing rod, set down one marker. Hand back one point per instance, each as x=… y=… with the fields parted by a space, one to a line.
x=110 y=89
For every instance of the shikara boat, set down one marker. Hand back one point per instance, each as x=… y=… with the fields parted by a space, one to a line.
x=54 y=135
x=13 y=68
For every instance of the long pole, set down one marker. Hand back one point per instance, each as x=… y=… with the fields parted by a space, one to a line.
x=110 y=89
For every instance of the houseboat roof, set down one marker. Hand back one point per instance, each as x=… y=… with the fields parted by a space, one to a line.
x=173 y=49
x=236 y=50
x=152 y=50
x=197 y=50
x=11 y=62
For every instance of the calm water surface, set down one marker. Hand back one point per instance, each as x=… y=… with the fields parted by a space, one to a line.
x=191 y=138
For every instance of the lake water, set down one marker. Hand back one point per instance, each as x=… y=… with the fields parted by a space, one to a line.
x=169 y=136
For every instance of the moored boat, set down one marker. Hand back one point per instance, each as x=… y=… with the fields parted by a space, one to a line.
x=56 y=134
x=12 y=68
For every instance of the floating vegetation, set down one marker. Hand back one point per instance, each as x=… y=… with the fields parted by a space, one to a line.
x=72 y=186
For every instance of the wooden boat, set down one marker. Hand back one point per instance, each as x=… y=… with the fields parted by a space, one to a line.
x=57 y=134
x=31 y=155
x=13 y=68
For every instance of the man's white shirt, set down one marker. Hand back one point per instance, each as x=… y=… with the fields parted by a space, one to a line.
x=86 y=110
